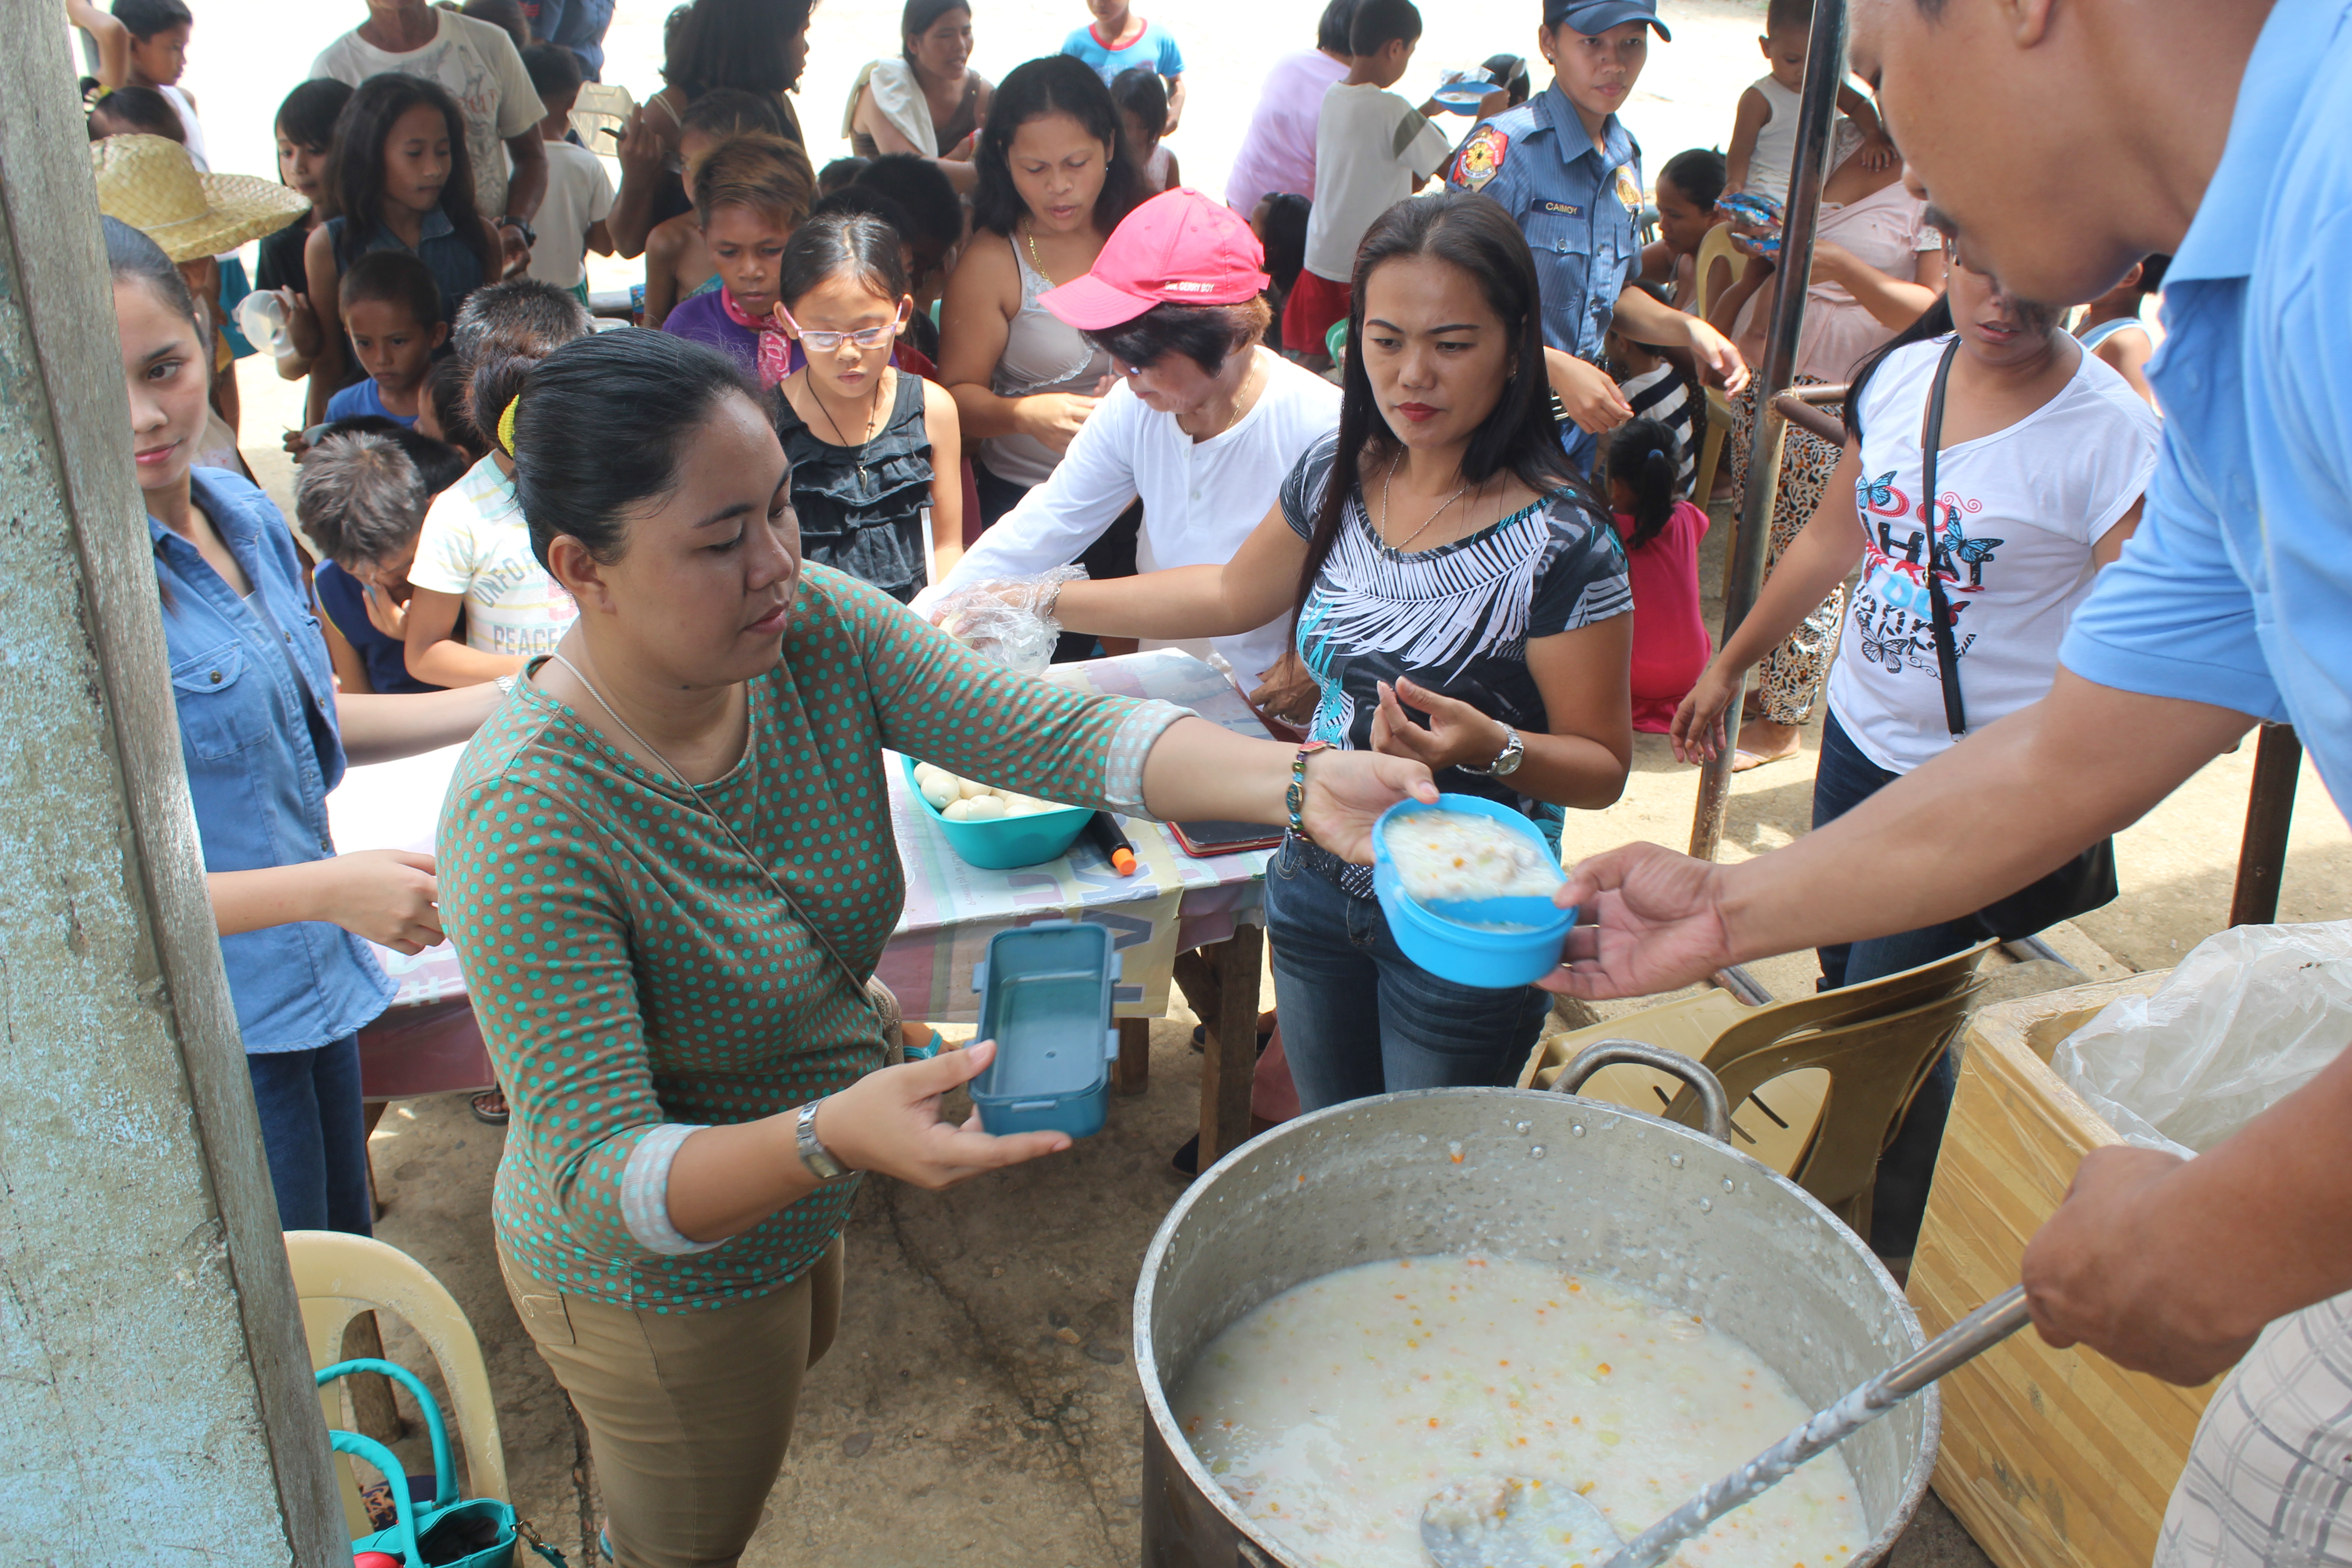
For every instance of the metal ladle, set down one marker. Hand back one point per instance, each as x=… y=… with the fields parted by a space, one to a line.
x=1525 y=1521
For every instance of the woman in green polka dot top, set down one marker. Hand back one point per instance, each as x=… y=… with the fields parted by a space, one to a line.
x=695 y=1068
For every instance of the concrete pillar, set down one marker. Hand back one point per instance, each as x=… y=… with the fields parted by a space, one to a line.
x=155 y=1398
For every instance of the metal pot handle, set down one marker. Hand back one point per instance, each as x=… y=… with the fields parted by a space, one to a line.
x=1715 y=1107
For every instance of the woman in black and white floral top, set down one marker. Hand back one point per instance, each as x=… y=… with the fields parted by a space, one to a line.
x=1461 y=598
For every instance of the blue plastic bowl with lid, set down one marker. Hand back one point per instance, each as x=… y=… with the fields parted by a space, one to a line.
x=1004 y=843
x=1459 y=940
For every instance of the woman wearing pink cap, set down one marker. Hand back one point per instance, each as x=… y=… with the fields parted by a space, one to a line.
x=1459 y=597
x=1204 y=422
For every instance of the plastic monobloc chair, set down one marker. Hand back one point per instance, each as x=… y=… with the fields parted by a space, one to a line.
x=336 y=1278
x=1715 y=247
x=1821 y=1082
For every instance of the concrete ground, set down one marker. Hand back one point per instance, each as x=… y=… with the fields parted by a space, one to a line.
x=980 y=1405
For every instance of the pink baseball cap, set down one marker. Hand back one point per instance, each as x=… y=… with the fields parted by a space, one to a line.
x=1180 y=248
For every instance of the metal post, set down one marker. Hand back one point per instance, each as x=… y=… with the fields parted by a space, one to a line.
x=155 y=1393
x=1816 y=115
x=2269 y=810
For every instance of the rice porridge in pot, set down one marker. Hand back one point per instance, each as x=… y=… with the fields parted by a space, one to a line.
x=1331 y=1412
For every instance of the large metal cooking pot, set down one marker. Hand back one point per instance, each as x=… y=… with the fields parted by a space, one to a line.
x=1548 y=1177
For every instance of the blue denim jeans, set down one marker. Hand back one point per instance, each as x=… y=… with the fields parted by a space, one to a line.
x=1842 y=780
x=1359 y=1017
x=312 y=1130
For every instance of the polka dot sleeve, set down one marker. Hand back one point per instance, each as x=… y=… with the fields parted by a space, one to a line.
x=529 y=896
x=939 y=702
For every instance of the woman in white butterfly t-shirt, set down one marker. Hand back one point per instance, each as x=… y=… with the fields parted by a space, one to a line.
x=2043 y=454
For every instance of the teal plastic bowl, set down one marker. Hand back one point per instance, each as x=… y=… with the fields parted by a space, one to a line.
x=1441 y=938
x=1004 y=843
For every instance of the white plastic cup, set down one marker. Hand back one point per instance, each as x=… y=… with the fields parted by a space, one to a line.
x=261 y=316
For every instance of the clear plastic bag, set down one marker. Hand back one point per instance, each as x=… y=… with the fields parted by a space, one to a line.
x=2248 y=1017
x=1002 y=621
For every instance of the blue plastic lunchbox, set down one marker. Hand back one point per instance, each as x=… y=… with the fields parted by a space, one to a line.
x=1044 y=999
x=1454 y=941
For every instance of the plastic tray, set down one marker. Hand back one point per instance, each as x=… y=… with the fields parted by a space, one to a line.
x=1004 y=843
x=1046 y=1000
x=1463 y=953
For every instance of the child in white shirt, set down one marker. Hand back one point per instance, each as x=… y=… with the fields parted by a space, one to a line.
x=473 y=556
x=1372 y=150
x=1764 y=131
x=571 y=220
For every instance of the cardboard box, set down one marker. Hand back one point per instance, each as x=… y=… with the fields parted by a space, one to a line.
x=2049 y=1458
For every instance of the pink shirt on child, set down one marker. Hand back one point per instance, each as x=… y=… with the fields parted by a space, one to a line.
x=1671 y=647
x=1278 y=153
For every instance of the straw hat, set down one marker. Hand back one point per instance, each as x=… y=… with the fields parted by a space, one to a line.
x=148 y=183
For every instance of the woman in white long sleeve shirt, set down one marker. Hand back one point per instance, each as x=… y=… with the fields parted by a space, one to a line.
x=1204 y=424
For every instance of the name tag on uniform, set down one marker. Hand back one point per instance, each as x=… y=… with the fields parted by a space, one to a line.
x=1562 y=209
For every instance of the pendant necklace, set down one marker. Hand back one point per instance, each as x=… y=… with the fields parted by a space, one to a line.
x=873 y=408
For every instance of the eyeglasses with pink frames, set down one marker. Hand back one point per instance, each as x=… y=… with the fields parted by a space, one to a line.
x=818 y=342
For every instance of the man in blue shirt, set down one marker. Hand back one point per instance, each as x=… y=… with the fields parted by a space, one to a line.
x=578 y=24
x=1571 y=174
x=2224 y=136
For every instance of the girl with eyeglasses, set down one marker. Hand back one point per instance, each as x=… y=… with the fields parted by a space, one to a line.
x=877 y=454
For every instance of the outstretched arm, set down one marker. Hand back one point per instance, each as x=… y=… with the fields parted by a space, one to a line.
x=1242 y=595
x=1652 y=322
x=1816 y=561
x=2010 y=802
x=2172 y=1266
x=379 y=727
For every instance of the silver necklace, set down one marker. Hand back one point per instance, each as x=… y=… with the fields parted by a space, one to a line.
x=726 y=827
x=1386 y=481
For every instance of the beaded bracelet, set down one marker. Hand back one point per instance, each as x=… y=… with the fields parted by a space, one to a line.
x=1294 y=797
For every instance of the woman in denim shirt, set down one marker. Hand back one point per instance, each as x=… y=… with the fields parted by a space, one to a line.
x=263 y=732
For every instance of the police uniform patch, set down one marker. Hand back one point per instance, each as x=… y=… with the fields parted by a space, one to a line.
x=1563 y=208
x=1481 y=158
x=1628 y=192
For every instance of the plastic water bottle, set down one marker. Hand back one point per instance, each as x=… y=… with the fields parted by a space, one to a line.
x=261 y=316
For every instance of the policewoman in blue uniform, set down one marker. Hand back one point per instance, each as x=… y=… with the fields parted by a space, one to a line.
x=1570 y=174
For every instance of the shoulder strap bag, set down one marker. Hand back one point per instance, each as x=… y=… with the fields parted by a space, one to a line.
x=2087 y=881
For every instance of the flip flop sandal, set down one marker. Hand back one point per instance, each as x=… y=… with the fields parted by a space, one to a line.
x=929 y=1048
x=490 y=1107
x=1754 y=760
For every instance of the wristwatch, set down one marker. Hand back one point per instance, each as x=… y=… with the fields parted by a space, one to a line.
x=520 y=226
x=1504 y=765
x=813 y=1154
